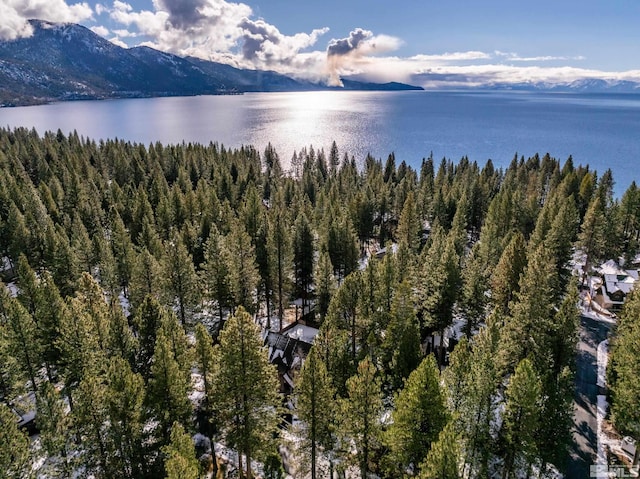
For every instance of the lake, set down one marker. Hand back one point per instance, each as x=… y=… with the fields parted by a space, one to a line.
x=600 y=130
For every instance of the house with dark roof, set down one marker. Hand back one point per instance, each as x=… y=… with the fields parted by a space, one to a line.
x=287 y=350
x=613 y=285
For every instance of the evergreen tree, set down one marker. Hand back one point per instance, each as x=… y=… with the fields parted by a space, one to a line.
x=90 y=298
x=437 y=286
x=89 y=418
x=624 y=365
x=592 y=239
x=181 y=278
x=443 y=459
x=344 y=312
x=49 y=317
x=146 y=322
x=401 y=344
x=247 y=401
x=55 y=427
x=206 y=362
x=20 y=333
x=79 y=346
x=122 y=342
x=122 y=252
x=181 y=462
x=362 y=409
x=334 y=347
x=303 y=253
x=316 y=409
x=280 y=252
x=628 y=222
x=216 y=277
x=243 y=271
x=10 y=375
x=168 y=388
x=521 y=417
x=409 y=228
x=472 y=381
x=341 y=243
x=325 y=286
x=505 y=280
x=124 y=399
x=472 y=297
x=418 y=417
x=554 y=435
x=14 y=446
x=528 y=332
x=145 y=278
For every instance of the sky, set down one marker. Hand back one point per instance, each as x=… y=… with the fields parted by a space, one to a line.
x=430 y=43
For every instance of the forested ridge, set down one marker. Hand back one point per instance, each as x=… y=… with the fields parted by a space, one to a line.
x=124 y=261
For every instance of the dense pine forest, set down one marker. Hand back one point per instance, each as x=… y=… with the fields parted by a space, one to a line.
x=142 y=283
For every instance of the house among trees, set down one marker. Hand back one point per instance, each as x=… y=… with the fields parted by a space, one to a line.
x=287 y=349
x=612 y=287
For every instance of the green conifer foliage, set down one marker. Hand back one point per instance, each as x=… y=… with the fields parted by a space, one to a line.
x=55 y=427
x=246 y=388
x=14 y=446
x=443 y=459
x=624 y=367
x=418 y=417
x=124 y=398
x=316 y=408
x=182 y=286
x=180 y=462
x=401 y=346
x=169 y=387
x=521 y=418
x=216 y=276
x=362 y=409
x=243 y=271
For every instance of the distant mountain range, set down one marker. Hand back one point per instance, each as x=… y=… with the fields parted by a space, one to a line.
x=70 y=62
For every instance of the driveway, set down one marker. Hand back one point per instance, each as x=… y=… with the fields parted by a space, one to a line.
x=585 y=443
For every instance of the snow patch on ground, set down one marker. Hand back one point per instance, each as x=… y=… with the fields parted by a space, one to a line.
x=603 y=359
x=5 y=264
x=603 y=440
x=197 y=392
x=13 y=289
x=124 y=303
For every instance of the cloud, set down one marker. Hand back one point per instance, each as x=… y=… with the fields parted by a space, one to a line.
x=118 y=42
x=452 y=57
x=497 y=74
x=514 y=57
x=100 y=9
x=100 y=30
x=123 y=33
x=343 y=55
x=265 y=44
x=14 y=15
x=211 y=26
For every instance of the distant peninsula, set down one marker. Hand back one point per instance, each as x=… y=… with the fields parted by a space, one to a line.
x=66 y=61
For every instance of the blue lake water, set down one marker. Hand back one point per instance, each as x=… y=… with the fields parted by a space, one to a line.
x=600 y=130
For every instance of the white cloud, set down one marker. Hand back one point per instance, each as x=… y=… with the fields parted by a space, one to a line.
x=449 y=76
x=100 y=9
x=264 y=45
x=209 y=26
x=14 y=15
x=452 y=57
x=100 y=30
x=514 y=57
x=125 y=33
x=117 y=41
